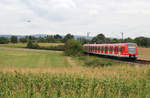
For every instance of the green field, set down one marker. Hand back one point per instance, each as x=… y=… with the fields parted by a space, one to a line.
x=31 y=58
x=33 y=73
x=123 y=85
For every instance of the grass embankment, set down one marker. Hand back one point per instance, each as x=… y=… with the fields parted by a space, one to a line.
x=31 y=58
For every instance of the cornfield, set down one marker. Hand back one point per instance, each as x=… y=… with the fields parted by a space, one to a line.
x=71 y=86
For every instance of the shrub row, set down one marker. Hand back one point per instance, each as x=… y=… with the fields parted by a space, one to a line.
x=34 y=45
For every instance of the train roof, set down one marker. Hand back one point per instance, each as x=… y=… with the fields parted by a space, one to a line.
x=108 y=44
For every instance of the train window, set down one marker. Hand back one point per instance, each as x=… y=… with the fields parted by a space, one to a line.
x=106 y=48
x=117 y=49
x=99 y=48
x=110 y=49
x=120 y=49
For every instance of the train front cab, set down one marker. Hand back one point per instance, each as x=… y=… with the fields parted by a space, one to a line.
x=132 y=50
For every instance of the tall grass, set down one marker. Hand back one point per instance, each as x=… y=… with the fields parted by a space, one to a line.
x=71 y=86
x=94 y=61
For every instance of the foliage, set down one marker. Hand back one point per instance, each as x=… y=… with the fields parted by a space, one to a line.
x=128 y=40
x=73 y=48
x=97 y=62
x=57 y=36
x=68 y=37
x=50 y=39
x=143 y=41
x=92 y=61
x=4 y=40
x=57 y=48
x=23 y=40
x=99 y=39
x=32 y=45
x=83 y=40
x=14 y=39
x=70 y=86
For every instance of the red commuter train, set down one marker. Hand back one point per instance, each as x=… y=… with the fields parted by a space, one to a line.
x=124 y=50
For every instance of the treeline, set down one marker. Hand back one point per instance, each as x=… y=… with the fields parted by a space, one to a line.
x=141 y=41
x=46 y=39
x=99 y=39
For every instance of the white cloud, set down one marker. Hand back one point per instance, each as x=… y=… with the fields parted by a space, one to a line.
x=77 y=16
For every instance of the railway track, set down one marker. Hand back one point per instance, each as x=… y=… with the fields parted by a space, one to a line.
x=125 y=60
x=146 y=62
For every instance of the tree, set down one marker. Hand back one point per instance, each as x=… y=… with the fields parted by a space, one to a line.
x=143 y=41
x=50 y=39
x=57 y=36
x=4 y=40
x=23 y=40
x=73 y=48
x=68 y=37
x=14 y=39
x=32 y=45
x=99 y=39
x=41 y=39
x=115 y=40
x=31 y=38
x=83 y=40
x=128 y=40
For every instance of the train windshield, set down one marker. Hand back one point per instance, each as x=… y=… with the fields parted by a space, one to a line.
x=132 y=48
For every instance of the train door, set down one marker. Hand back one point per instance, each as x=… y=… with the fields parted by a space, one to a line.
x=98 y=49
x=106 y=49
x=95 y=49
x=102 y=50
x=116 y=50
x=111 y=49
x=119 y=48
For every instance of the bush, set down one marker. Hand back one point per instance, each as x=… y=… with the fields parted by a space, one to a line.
x=4 y=40
x=14 y=39
x=73 y=48
x=97 y=62
x=32 y=45
x=57 y=48
x=23 y=40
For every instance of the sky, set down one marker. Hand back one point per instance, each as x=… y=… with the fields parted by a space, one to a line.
x=110 y=17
